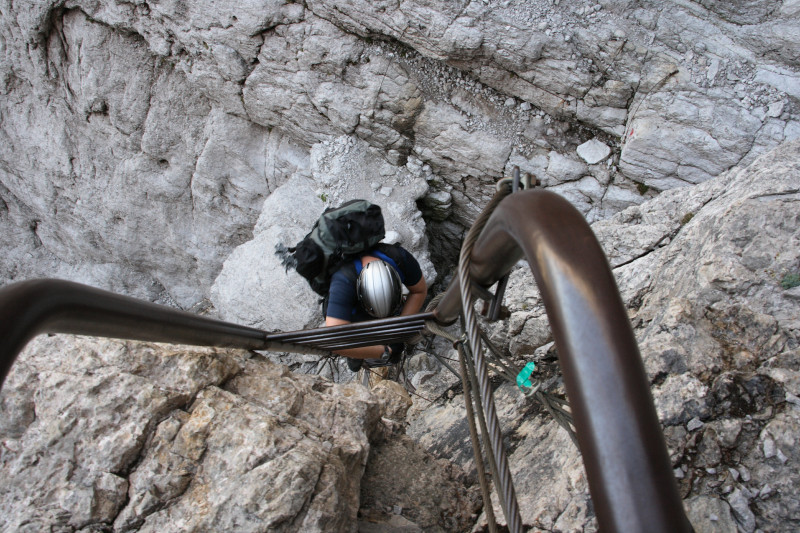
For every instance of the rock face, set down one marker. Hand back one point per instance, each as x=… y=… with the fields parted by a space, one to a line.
x=710 y=276
x=163 y=150
x=140 y=142
x=102 y=434
x=113 y=435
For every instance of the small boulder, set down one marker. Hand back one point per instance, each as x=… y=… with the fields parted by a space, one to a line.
x=593 y=151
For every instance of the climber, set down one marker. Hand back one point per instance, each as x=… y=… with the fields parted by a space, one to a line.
x=369 y=287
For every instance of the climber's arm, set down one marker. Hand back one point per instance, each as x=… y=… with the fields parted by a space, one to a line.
x=416 y=297
x=365 y=352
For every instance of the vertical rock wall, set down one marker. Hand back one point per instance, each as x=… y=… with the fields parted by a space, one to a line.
x=140 y=140
x=164 y=149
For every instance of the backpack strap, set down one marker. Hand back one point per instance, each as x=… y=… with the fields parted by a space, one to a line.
x=381 y=255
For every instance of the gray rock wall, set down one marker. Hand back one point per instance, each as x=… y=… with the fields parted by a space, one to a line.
x=163 y=150
x=255 y=288
x=139 y=141
x=116 y=436
x=710 y=276
x=102 y=434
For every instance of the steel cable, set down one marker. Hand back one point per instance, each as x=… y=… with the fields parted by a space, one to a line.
x=487 y=443
x=470 y=383
x=506 y=485
x=476 y=448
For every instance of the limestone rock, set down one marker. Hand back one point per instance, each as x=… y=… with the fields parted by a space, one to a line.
x=534 y=332
x=718 y=335
x=705 y=149
x=444 y=138
x=406 y=489
x=254 y=288
x=147 y=436
x=708 y=514
x=492 y=44
x=163 y=150
x=728 y=270
x=161 y=200
x=593 y=151
x=140 y=142
x=562 y=168
x=96 y=404
x=286 y=86
x=141 y=437
x=438 y=205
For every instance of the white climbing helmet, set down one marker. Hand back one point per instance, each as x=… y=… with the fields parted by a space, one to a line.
x=379 y=289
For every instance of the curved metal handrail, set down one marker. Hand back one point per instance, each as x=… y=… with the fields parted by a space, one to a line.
x=29 y=308
x=619 y=435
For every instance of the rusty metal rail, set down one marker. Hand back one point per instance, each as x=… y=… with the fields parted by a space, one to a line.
x=619 y=435
x=30 y=308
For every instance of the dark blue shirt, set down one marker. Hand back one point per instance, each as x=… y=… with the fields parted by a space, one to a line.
x=342 y=296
